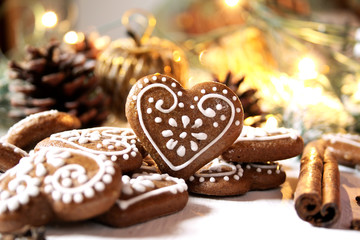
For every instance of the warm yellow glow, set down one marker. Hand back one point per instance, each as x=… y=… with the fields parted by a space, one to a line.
x=176 y=56
x=101 y=42
x=307 y=68
x=49 y=19
x=71 y=37
x=232 y=3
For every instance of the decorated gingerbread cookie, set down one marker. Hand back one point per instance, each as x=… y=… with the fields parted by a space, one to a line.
x=10 y=155
x=59 y=184
x=145 y=197
x=117 y=144
x=221 y=178
x=345 y=147
x=183 y=129
x=26 y=133
x=263 y=145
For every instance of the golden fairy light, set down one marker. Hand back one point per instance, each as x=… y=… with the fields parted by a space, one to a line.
x=307 y=68
x=49 y=19
x=71 y=37
x=232 y=3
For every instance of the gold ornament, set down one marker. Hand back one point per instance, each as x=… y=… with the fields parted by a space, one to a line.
x=127 y=60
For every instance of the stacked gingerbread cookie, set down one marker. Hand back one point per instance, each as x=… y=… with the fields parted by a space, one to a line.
x=180 y=140
x=198 y=135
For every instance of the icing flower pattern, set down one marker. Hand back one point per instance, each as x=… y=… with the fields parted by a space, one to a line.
x=113 y=142
x=172 y=143
x=68 y=183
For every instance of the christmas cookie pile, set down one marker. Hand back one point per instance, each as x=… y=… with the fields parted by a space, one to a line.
x=181 y=141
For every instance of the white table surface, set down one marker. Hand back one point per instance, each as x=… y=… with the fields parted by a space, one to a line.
x=259 y=214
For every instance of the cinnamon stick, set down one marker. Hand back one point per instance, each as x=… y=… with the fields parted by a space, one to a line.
x=317 y=195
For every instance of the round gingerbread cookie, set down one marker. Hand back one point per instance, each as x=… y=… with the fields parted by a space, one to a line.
x=26 y=133
x=59 y=184
x=263 y=145
x=183 y=129
x=345 y=147
x=264 y=175
x=221 y=178
x=117 y=144
x=10 y=155
x=145 y=197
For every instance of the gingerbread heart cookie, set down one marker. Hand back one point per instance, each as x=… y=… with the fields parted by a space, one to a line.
x=117 y=144
x=145 y=197
x=183 y=129
x=221 y=178
x=59 y=184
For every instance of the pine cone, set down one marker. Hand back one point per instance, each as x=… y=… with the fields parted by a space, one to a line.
x=248 y=98
x=52 y=78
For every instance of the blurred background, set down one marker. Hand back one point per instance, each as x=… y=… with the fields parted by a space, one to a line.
x=293 y=63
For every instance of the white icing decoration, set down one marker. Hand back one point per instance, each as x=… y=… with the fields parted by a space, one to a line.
x=194 y=146
x=173 y=85
x=214 y=89
x=237 y=123
x=155 y=78
x=167 y=133
x=110 y=136
x=218 y=107
x=140 y=182
x=24 y=185
x=350 y=139
x=40 y=170
x=149 y=110
x=215 y=169
x=185 y=120
x=158 y=120
x=192 y=106
x=146 y=80
x=238 y=110
x=183 y=135
x=172 y=122
x=171 y=143
x=199 y=136
x=196 y=98
x=62 y=181
x=151 y=100
x=181 y=151
x=179 y=93
x=198 y=123
x=163 y=79
x=261 y=134
x=222 y=118
x=181 y=105
x=215 y=124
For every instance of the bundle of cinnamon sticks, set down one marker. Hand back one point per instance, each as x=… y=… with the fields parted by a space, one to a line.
x=317 y=195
